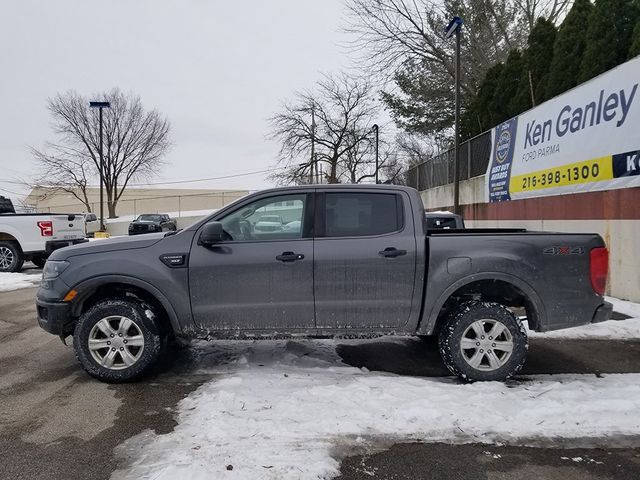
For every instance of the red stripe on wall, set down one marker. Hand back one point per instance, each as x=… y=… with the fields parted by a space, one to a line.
x=622 y=204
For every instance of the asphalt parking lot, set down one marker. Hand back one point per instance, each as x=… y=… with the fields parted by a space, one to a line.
x=58 y=423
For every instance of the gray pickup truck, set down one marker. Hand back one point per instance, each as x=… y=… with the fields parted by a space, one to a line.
x=343 y=260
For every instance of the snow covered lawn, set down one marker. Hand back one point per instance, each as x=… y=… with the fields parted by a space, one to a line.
x=16 y=281
x=292 y=409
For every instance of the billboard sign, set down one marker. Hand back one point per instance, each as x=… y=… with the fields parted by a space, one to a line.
x=584 y=140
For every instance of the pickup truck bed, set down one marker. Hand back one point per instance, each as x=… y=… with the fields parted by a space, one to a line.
x=354 y=260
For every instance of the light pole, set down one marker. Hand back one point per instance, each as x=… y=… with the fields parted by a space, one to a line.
x=455 y=26
x=100 y=106
x=375 y=128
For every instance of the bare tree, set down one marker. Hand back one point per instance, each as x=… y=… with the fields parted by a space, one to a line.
x=335 y=118
x=135 y=141
x=359 y=164
x=393 y=32
x=403 y=40
x=65 y=171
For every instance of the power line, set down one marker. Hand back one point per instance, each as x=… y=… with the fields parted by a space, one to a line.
x=208 y=179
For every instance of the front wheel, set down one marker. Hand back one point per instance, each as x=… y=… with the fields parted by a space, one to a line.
x=483 y=341
x=117 y=340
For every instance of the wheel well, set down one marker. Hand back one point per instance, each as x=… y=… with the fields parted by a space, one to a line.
x=498 y=291
x=7 y=237
x=126 y=291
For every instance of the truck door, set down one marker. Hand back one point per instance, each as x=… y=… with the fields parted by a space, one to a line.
x=261 y=276
x=365 y=254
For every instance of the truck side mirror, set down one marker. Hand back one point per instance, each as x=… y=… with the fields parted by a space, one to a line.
x=211 y=234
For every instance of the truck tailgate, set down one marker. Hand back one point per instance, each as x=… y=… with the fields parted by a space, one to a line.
x=67 y=227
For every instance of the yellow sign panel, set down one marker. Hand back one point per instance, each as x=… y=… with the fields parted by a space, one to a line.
x=588 y=171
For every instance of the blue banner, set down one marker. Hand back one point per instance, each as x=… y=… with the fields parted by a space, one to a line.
x=504 y=138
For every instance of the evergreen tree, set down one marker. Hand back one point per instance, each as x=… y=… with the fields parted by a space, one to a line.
x=532 y=88
x=608 y=36
x=479 y=117
x=507 y=87
x=568 y=49
x=635 y=41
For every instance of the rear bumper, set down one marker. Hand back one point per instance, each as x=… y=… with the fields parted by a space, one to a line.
x=52 y=245
x=603 y=313
x=54 y=317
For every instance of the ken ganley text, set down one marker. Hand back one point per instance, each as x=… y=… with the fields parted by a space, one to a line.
x=607 y=108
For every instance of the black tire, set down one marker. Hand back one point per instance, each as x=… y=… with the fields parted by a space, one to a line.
x=144 y=323
x=11 y=257
x=39 y=261
x=461 y=328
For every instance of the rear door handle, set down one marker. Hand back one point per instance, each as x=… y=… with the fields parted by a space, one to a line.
x=289 y=257
x=392 y=252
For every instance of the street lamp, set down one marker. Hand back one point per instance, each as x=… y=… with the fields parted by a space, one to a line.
x=455 y=27
x=375 y=128
x=100 y=106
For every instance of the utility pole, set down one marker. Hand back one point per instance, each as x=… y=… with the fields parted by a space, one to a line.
x=100 y=106
x=376 y=129
x=313 y=144
x=455 y=26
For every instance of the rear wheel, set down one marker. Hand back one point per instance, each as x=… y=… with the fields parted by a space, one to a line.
x=483 y=341
x=11 y=258
x=39 y=261
x=117 y=340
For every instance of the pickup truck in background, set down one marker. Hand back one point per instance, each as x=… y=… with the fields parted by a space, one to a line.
x=33 y=236
x=444 y=220
x=152 y=223
x=362 y=263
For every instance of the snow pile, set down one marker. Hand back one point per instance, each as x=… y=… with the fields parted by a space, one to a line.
x=292 y=410
x=628 y=329
x=16 y=281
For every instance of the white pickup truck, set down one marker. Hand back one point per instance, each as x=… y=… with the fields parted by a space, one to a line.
x=33 y=236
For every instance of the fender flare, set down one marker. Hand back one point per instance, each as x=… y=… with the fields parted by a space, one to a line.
x=88 y=287
x=429 y=319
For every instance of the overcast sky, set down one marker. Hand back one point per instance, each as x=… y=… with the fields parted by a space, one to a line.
x=217 y=69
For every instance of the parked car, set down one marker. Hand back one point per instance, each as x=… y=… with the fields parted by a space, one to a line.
x=364 y=263
x=293 y=226
x=269 y=223
x=33 y=236
x=443 y=220
x=152 y=222
x=92 y=224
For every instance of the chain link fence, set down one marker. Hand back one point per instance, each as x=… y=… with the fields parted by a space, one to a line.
x=438 y=170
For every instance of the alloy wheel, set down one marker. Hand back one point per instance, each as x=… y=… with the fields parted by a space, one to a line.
x=486 y=344
x=116 y=342
x=6 y=257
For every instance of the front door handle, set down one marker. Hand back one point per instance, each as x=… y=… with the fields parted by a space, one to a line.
x=392 y=252
x=289 y=257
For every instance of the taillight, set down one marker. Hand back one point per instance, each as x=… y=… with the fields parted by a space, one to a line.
x=46 y=228
x=598 y=268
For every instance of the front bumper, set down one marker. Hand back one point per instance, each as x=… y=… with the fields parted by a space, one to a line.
x=52 y=245
x=54 y=317
x=603 y=313
x=147 y=229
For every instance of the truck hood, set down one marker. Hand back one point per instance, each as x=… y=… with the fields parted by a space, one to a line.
x=107 y=245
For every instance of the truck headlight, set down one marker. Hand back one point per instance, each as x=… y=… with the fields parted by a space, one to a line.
x=53 y=268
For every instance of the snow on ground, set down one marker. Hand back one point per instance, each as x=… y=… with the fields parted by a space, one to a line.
x=289 y=410
x=612 y=329
x=16 y=281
